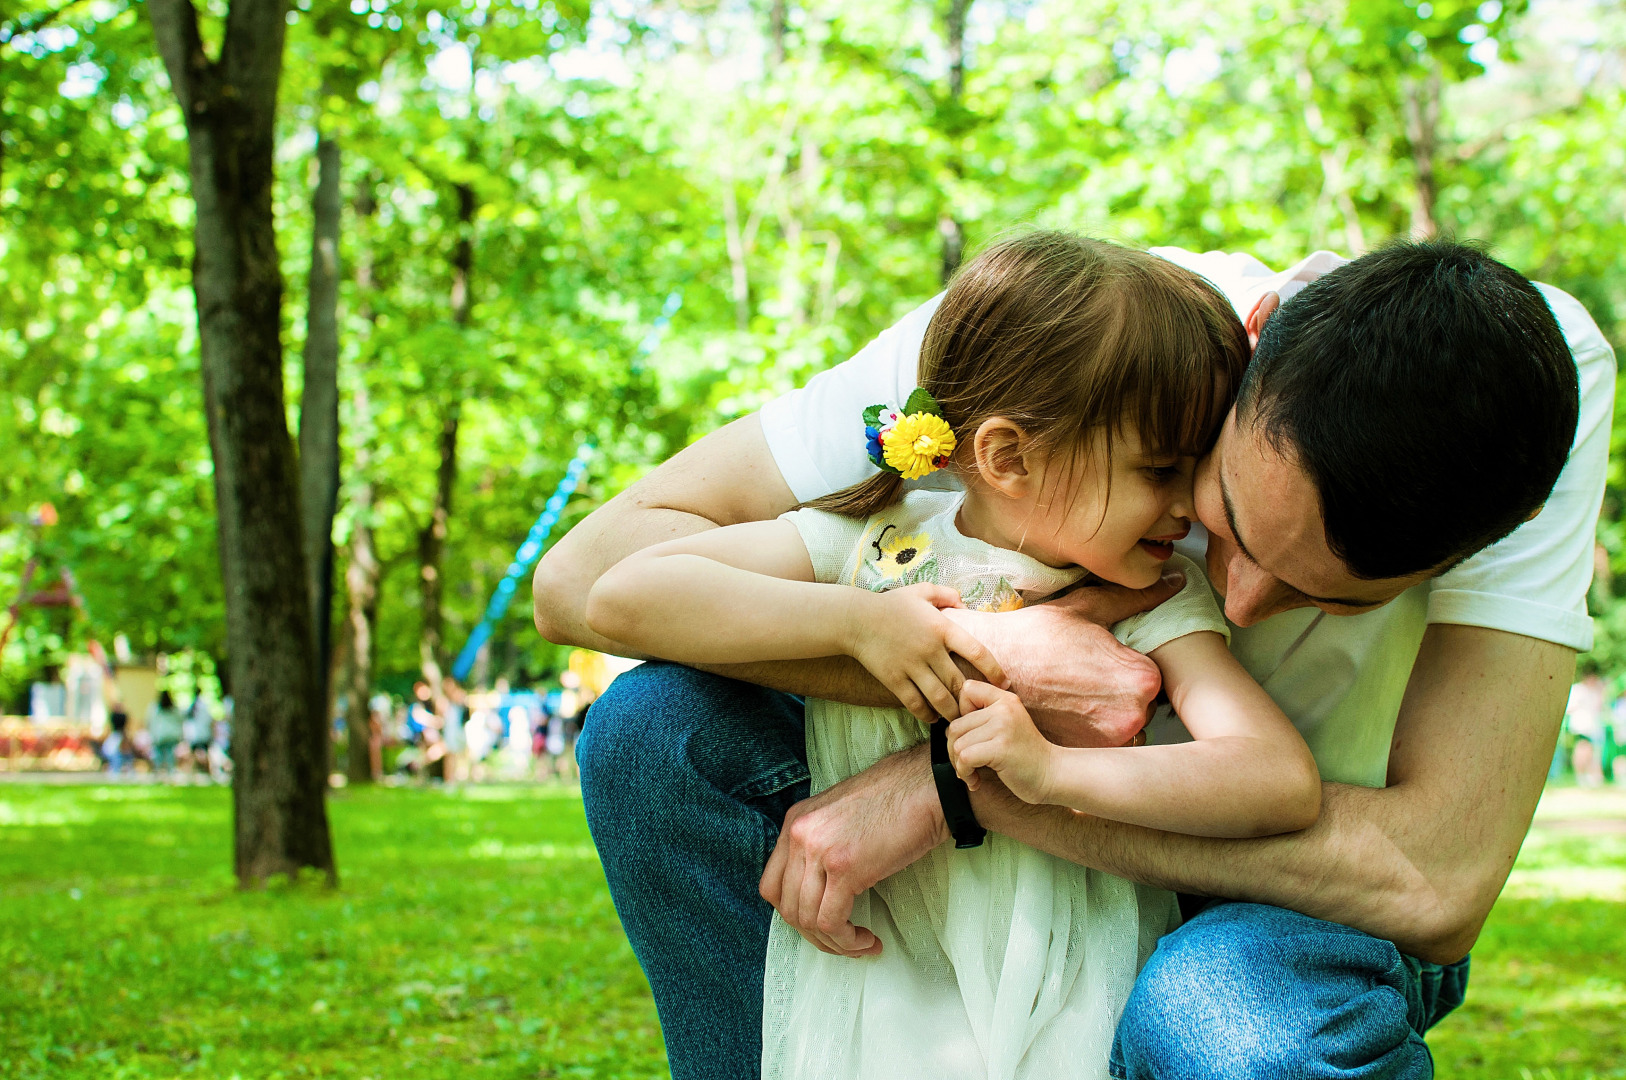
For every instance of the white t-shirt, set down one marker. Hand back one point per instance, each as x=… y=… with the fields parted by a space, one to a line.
x=1340 y=679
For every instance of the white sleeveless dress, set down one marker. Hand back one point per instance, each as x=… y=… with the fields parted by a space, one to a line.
x=998 y=962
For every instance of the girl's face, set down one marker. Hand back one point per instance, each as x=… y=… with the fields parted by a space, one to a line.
x=1117 y=515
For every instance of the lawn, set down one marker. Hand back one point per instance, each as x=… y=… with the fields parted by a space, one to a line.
x=473 y=937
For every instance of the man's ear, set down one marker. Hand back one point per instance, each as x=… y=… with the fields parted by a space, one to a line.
x=1001 y=452
x=1263 y=309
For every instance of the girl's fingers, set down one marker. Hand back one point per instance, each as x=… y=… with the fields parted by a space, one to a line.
x=909 y=697
x=948 y=673
x=977 y=655
x=976 y=695
x=942 y=701
x=942 y=596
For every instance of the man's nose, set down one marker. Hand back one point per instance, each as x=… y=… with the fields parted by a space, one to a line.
x=1251 y=595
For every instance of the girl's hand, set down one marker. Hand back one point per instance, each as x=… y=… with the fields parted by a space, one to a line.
x=903 y=639
x=995 y=732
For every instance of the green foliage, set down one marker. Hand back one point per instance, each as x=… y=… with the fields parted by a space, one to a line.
x=618 y=155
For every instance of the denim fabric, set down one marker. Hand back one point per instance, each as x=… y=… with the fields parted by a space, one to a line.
x=686 y=778
x=1253 y=992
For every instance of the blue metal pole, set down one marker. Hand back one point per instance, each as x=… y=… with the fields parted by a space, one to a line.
x=531 y=549
x=527 y=554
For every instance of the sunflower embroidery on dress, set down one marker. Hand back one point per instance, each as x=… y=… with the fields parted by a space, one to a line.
x=903 y=558
x=1002 y=597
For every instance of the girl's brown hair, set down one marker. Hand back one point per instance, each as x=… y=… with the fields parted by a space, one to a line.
x=1063 y=334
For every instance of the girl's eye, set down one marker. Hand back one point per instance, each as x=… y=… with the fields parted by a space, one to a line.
x=1163 y=473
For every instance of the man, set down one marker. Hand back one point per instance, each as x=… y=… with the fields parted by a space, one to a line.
x=1403 y=412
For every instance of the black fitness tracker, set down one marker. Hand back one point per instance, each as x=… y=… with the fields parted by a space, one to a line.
x=953 y=794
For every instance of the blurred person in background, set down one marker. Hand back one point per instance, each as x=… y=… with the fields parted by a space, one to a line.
x=1585 y=715
x=165 y=730
x=198 y=730
x=116 y=747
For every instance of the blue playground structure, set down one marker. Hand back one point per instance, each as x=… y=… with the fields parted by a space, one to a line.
x=537 y=538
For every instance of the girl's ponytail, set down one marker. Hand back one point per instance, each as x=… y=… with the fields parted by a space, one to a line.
x=864 y=498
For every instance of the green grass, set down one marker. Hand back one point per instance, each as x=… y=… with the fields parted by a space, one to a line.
x=473 y=937
x=1547 y=994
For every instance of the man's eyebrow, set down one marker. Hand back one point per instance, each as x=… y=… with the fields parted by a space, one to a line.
x=1230 y=520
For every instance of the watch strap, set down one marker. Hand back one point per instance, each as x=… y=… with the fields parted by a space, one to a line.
x=952 y=793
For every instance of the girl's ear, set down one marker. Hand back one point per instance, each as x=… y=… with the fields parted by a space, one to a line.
x=1004 y=457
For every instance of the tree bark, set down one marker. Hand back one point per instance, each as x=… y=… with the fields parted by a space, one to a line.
x=432 y=538
x=319 y=407
x=279 y=740
x=361 y=581
x=431 y=552
x=1422 y=104
x=776 y=32
x=363 y=760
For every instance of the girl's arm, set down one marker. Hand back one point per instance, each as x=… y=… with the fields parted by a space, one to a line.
x=1247 y=772
x=746 y=593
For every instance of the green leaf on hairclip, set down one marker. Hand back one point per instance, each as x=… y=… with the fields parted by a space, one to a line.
x=920 y=401
x=872 y=416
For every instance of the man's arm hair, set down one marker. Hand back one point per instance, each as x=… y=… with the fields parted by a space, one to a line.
x=1419 y=862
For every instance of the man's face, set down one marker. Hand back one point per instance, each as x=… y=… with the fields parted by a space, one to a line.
x=1267 y=546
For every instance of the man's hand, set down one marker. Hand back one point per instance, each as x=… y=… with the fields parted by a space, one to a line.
x=845 y=839
x=1080 y=685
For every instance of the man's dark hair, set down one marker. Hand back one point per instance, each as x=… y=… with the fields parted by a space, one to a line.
x=1429 y=394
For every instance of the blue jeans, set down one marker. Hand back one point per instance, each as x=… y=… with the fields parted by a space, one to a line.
x=687 y=777
x=1254 y=992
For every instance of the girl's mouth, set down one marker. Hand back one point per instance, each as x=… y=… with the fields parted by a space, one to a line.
x=1161 y=548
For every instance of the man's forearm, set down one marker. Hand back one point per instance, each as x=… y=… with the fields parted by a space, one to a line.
x=726 y=478
x=564 y=578
x=833 y=678
x=1345 y=868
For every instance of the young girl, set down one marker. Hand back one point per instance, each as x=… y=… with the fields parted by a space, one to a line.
x=1068 y=384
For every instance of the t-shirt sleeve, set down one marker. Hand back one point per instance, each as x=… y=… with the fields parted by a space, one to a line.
x=816 y=432
x=1535 y=582
x=1191 y=609
x=830 y=539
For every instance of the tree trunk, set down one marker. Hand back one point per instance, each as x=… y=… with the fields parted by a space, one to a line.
x=1422 y=131
x=776 y=32
x=279 y=740
x=319 y=407
x=734 y=238
x=361 y=582
x=432 y=538
x=432 y=550
x=948 y=226
x=363 y=761
x=1334 y=182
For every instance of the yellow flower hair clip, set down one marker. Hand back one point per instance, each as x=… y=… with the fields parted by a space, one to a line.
x=912 y=442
